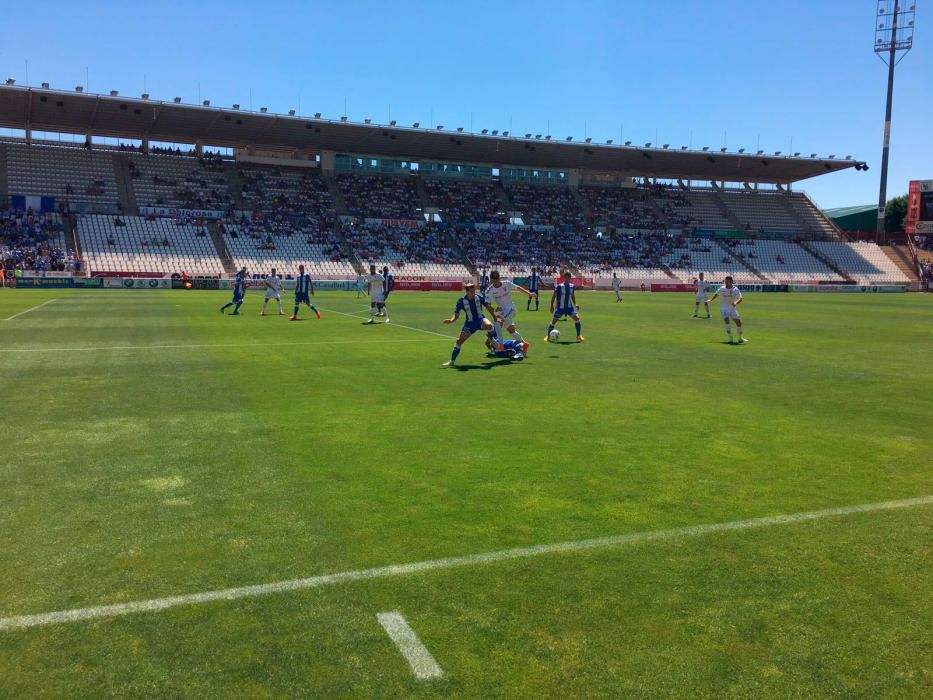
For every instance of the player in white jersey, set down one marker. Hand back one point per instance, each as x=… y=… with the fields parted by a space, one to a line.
x=702 y=289
x=730 y=298
x=617 y=286
x=376 y=294
x=499 y=294
x=273 y=285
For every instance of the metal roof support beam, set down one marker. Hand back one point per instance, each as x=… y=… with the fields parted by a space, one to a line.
x=94 y=113
x=156 y=111
x=210 y=128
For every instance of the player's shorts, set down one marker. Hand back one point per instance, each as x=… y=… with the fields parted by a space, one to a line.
x=272 y=294
x=565 y=311
x=302 y=298
x=377 y=298
x=508 y=316
x=730 y=312
x=473 y=326
x=702 y=296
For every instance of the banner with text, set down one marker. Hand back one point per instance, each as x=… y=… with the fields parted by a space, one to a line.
x=185 y=213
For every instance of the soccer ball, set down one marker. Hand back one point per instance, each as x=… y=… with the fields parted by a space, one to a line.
x=554 y=335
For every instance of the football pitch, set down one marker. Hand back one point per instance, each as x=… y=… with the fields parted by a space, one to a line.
x=196 y=505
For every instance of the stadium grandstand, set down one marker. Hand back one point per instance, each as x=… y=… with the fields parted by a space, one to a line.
x=205 y=191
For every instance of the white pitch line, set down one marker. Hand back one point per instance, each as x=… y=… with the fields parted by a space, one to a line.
x=45 y=303
x=416 y=654
x=397 y=325
x=208 y=345
x=156 y=604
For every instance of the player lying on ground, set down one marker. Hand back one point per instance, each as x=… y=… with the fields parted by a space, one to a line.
x=470 y=305
x=564 y=303
x=500 y=293
x=702 y=287
x=239 y=292
x=304 y=290
x=730 y=297
x=510 y=349
x=273 y=284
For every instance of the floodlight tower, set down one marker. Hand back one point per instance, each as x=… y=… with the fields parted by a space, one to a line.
x=894 y=33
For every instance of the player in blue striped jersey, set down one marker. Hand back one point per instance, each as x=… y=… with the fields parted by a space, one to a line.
x=304 y=290
x=239 y=292
x=471 y=305
x=534 y=285
x=564 y=303
x=511 y=350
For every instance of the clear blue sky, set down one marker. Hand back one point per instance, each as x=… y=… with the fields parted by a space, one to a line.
x=749 y=72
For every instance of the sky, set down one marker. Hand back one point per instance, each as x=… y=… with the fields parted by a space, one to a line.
x=793 y=75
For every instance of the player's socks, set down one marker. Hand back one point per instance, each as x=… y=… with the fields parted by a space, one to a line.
x=518 y=336
x=454 y=353
x=236 y=309
x=295 y=312
x=729 y=333
x=577 y=326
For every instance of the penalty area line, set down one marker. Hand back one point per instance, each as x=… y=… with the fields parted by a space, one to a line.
x=209 y=345
x=404 y=637
x=300 y=584
x=397 y=325
x=39 y=306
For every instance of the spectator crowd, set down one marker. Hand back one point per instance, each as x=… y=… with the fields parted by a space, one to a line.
x=34 y=241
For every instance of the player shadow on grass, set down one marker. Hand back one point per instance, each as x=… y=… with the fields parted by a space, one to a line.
x=487 y=365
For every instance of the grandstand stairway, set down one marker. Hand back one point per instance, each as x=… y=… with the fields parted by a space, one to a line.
x=424 y=199
x=794 y=214
x=464 y=258
x=659 y=212
x=235 y=183
x=583 y=205
x=125 y=191
x=222 y=252
x=730 y=216
x=901 y=257
x=507 y=205
x=346 y=248
x=71 y=242
x=741 y=261
x=667 y=271
x=4 y=180
x=340 y=204
x=825 y=260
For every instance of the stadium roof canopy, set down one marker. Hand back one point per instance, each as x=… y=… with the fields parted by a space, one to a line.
x=42 y=109
x=857 y=218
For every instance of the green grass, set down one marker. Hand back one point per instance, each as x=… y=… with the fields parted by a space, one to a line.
x=258 y=450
